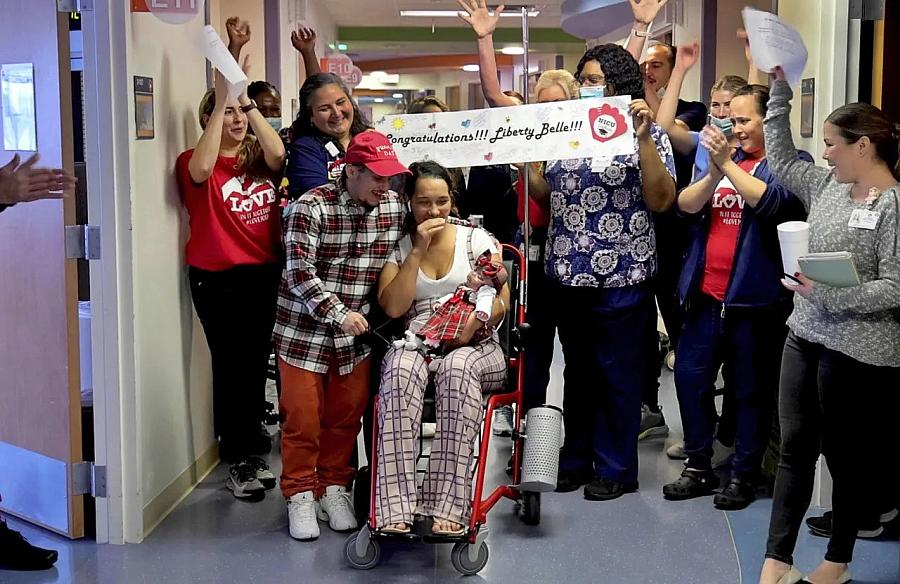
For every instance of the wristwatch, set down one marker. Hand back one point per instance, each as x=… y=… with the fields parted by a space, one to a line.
x=249 y=106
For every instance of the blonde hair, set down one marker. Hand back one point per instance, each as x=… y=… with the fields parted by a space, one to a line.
x=250 y=155
x=560 y=78
x=729 y=83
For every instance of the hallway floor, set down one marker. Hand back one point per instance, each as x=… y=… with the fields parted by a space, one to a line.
x=211 y=538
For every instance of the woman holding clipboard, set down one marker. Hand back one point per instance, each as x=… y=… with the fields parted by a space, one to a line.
x=840 y=362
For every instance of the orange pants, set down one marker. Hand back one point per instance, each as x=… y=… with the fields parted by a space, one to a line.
x=322 y=416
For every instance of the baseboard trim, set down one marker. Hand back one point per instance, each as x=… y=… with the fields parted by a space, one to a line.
x=170 y=497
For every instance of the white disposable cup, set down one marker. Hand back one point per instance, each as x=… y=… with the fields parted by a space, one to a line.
x=793 y=236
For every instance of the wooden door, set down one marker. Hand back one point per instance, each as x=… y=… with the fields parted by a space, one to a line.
x=40 y=406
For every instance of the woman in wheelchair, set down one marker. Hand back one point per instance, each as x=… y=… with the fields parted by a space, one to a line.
x=430 y=262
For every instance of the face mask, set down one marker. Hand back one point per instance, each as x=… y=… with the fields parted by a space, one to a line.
x=275 y=123
x=588 y=91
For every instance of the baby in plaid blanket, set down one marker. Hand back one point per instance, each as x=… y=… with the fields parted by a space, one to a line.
x=452 y=312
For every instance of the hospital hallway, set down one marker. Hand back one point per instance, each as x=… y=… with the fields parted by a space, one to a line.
x=212 y=538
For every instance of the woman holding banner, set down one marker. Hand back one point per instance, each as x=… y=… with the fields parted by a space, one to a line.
x=840 y=360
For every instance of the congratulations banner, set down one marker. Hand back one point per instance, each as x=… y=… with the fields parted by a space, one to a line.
x=583 y=128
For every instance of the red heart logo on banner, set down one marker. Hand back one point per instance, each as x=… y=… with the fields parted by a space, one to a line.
x=607 y=122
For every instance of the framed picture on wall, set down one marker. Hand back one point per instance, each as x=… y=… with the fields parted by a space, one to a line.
x=143 y=108
x=807 y=107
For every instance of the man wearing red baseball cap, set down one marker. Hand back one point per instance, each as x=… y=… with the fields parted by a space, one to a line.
x=337 y=239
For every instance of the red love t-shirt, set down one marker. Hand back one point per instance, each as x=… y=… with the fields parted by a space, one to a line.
x=235 y=220
x=726 y=207
x=537 y=215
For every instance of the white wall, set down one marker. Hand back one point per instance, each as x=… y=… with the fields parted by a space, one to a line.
x=824 y=25
x=173 y=381
x=312 y=13
x=251 y=11
x=730 y=58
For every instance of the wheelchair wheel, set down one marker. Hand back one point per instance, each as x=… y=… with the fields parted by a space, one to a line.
x=531 y=508
x=368 y=560
x=361 y=492
x=459 y=557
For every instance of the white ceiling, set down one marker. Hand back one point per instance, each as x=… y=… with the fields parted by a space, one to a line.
x=387 y=13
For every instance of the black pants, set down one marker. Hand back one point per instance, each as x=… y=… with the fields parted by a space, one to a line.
x=237 y=310
x=749 y=342
x=606 y=351
x=832 y=402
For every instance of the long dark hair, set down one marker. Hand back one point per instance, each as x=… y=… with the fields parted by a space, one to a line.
x=303 y=125
x=622 y=72
x=856 y=120
x=424 y=169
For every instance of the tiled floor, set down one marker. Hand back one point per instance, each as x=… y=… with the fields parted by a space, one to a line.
x=639 y=538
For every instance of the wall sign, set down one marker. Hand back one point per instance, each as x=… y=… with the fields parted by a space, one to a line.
x=143 y=108
x=807 y=107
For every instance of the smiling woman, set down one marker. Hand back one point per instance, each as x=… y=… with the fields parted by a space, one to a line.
x=328 y=119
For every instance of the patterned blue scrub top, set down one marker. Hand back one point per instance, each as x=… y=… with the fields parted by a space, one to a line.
x=601 y=231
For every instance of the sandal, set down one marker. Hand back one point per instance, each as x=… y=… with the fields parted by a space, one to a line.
x=436 y=528
x=396 y=529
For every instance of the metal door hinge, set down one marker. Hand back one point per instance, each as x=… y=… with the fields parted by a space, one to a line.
x=88 y=479
x=74 y=5
x=82 y=242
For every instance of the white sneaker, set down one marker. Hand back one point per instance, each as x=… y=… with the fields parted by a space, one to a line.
x=302 y=516
x=503 y=420
x=336 y=508
x=428 y=429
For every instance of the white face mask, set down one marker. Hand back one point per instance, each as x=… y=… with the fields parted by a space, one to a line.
x=275 y=123
x=588 y=91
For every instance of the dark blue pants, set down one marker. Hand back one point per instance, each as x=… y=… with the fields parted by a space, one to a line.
x=539 y=344
x=749 y=342
x=607 y=351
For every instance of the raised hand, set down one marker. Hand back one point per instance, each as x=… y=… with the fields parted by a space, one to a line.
x=645 y=11
x=745 y=40
x=687 y=56
x=303 y=39
x=238 y=33
x=778 y=73
x=477 y=16
x=23 y=183
x=643 y=117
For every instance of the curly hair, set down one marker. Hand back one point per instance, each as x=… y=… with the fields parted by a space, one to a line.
x=303 y=125
x=559 y=78
x=622 y=72
x=258 y=87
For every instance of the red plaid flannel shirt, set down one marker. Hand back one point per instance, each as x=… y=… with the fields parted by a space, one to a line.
x=335 y=252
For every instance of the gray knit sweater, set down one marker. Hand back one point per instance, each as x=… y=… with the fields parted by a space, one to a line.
x=863 y=321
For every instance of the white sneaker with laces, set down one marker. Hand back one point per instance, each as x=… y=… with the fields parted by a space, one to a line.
x=302 y=516
x=503 y=420
x=336 y=507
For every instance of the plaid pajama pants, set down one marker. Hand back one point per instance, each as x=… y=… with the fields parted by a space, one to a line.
x=459 y=380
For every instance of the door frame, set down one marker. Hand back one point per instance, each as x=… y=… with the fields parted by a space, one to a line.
x=107 y=144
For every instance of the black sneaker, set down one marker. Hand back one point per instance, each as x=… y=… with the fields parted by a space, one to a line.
x=606 y=490
x=736 y=495
x=691 y=484
x=243 y=483
x=265 y=476
x=17 y=554
x=821 y=527
x=568 y=481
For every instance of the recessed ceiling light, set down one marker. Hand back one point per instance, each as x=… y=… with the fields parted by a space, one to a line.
x=397 y=96
x=513 y=50
x=379 y=100
x=342 y=46
x=470 y=68
x=378 y=74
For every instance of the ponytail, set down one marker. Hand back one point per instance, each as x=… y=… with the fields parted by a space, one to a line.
x=856 y=120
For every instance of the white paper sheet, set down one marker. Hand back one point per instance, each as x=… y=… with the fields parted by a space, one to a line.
x=579 y=128
x=217 y=54
x=774 y=43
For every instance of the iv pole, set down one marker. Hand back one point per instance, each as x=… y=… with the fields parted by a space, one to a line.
x=526 y=227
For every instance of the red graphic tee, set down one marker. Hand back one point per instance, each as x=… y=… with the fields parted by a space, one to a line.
x=235 y=220
x=727 y=207
x=537 y=215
